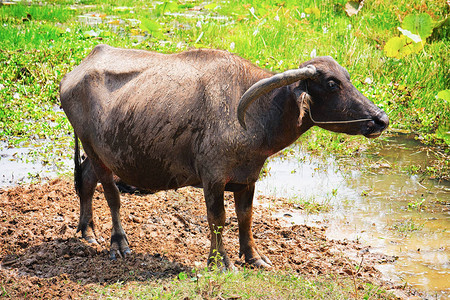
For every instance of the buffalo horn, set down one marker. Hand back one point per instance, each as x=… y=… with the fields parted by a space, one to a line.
x=266 y=85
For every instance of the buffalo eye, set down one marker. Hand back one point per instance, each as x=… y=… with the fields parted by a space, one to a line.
x=332 y=85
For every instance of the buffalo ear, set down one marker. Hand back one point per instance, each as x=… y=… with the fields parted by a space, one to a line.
x=267 y=85
x=303 y=100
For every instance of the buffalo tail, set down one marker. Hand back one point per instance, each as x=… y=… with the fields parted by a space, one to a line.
x=78 y=172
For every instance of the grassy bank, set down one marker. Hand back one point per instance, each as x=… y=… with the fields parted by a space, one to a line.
x=247 y=284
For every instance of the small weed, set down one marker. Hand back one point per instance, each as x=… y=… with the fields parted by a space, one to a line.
x=182 y=276
x=406 y=226
x=418 y=205
x=311 y=205
x=216 y=260
x=364 y=193
x=4 y=292
x=334 y=192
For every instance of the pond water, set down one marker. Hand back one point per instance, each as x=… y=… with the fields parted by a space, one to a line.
x=402 y=215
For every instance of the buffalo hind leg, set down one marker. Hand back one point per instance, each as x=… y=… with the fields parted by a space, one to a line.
x=86 y=191
x=216 y=219
x=244 y=209
x=119 y=241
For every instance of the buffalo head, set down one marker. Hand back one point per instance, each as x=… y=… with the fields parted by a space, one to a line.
x=325 y=97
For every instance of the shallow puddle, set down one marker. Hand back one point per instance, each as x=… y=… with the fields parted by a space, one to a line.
x=403 y=215
x=20 y=165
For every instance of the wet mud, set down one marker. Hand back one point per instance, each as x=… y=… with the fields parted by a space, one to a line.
x=42 y=256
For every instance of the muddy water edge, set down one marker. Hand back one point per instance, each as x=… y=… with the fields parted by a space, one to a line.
x=375 y=200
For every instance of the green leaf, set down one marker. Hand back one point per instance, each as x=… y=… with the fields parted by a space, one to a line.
x=200 y=46
x=393 y=46
x=167 y=6
x=421 y=24
x=211 y=6
x=316 y=11
x=106 y=33
x=445 y=95
x=152 y=27
x=400 y=47
x=171 y=6
x=313 y=10
x=411 y=47
x=441 y=28
x=182 y=276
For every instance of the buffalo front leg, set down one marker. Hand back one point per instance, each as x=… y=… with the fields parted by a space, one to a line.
x=119 y=241
x=85 y=190
x=216 y=219
x=244 y=210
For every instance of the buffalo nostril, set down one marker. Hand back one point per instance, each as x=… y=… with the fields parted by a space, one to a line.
x=370 y=127
x=382 y=120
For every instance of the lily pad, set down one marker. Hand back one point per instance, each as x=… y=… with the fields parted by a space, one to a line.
x=421 y=24
x=400 y=47
x=445 y=95
x=152 y=27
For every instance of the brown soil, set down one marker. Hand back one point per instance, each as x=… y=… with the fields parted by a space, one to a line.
x=42 y=256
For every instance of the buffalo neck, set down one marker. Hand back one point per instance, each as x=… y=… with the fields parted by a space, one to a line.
x=278 y=115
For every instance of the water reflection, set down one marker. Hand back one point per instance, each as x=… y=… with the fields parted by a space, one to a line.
x=379 y=206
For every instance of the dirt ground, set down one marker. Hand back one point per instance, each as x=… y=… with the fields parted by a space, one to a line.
x=42 y=256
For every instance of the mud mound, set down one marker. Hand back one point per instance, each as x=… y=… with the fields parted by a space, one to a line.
x=41 y=255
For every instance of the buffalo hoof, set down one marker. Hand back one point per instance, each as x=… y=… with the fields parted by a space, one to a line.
x=260 y=263
x=114 y=253
x=119 y=247
x=87 y=232
x=90 y=240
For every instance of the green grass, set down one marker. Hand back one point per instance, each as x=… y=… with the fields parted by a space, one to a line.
x=246 y=284
x=48 y=12
x=311 y=205
x=277 y=35
x=40 y=43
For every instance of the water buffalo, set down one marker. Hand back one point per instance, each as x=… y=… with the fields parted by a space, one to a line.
x=205 y=118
